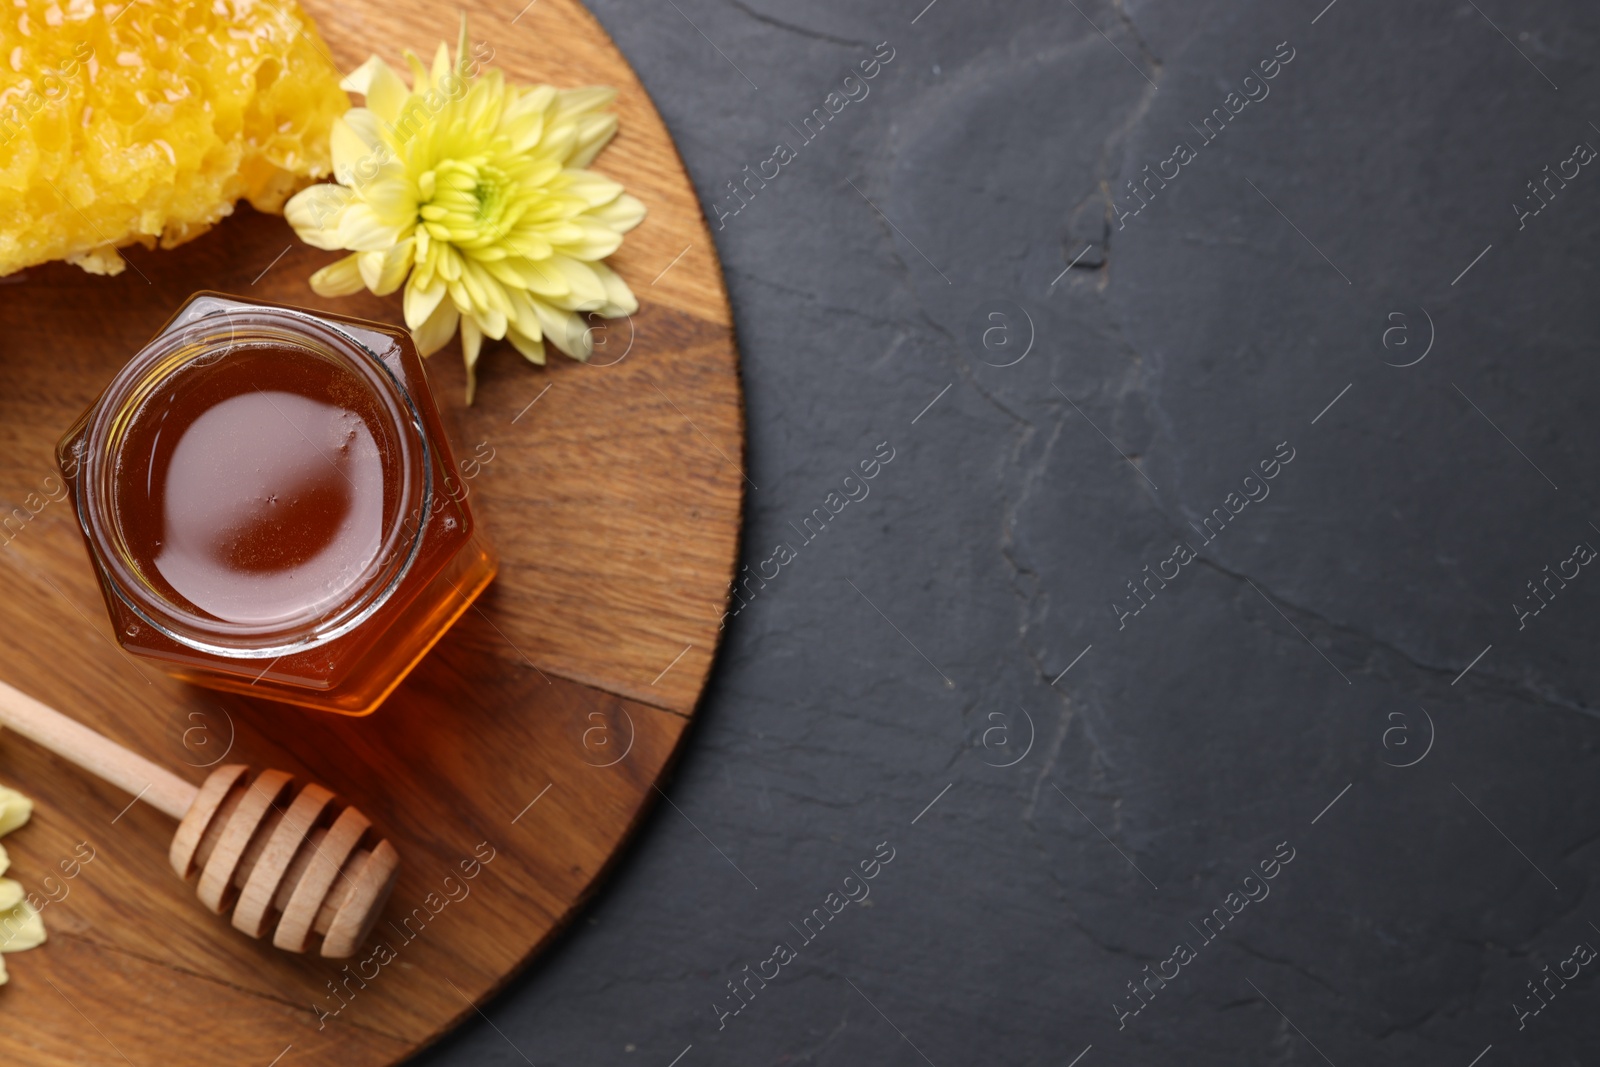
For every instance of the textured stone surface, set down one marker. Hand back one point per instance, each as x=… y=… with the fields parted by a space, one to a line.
x=1313 y=648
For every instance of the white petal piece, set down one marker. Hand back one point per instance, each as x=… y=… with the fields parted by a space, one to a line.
x=21 y=928
x=14 y=809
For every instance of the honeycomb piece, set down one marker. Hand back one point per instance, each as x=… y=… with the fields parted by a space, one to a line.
x=145 y=121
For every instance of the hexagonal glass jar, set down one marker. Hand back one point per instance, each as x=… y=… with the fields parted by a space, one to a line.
x=267 y=496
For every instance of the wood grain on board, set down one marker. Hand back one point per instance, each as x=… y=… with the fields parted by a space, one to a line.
x=614 y=500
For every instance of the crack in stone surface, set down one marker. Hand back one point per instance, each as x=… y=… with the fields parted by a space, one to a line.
x=1525 y=688
x=1121 y=8
x=802 y=31
x=887 y=321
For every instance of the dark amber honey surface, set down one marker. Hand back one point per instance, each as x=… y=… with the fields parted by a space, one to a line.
x=255 y=490
x=264 y=493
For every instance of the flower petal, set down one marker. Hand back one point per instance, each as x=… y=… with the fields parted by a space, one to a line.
x=360 y=79
x=588 y=292
x=441 y=66
x=622 y=214
x=461 y=46
x=507 y=275
x=493 y=323
x=472 y=284
x=525 y=321
x=592 y=188
x=591 y=135
x=596 y=242
x=541 y=98
x=560 y=233
x=524 y=129
x=565 y=330
x=362 y=228
x=619 y=298
x=561 y=142
x=339 y=278
x=575 y=102
x=317 y=213
x=471 y=344
x=383 y=88
x=384 y=271
x=422 y=301
x=532 y=349
x=395 y=199
x=10 y=893
x=528 y=244
x=436 y=332
x=541 y=278
x=358 y=147
x=419 y=73
x=485 y=100
x=449 y=263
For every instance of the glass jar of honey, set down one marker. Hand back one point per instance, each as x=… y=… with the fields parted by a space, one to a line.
x=270 y=504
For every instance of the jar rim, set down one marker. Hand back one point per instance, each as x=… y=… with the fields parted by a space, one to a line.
x=191 y=348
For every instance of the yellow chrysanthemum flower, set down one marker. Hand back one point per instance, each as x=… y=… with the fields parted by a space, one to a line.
x=478 y=189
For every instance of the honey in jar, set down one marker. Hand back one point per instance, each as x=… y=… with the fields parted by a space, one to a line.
x=267 y=495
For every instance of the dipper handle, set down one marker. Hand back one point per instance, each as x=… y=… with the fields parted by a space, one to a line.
x=100 y=756
x=282 y=857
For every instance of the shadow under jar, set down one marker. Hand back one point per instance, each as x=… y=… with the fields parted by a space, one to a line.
x=268 y=498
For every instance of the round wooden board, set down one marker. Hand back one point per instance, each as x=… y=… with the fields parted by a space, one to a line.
x=535 y=732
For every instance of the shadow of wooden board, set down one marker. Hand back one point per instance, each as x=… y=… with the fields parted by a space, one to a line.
x=525 y=748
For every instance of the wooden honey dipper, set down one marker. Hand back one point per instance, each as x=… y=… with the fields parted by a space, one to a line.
x=270 y=852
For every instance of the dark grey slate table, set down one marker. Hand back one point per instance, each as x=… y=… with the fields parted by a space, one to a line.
x=1212 y=648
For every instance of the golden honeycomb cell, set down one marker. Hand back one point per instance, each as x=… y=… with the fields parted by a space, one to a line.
x=146 y=121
